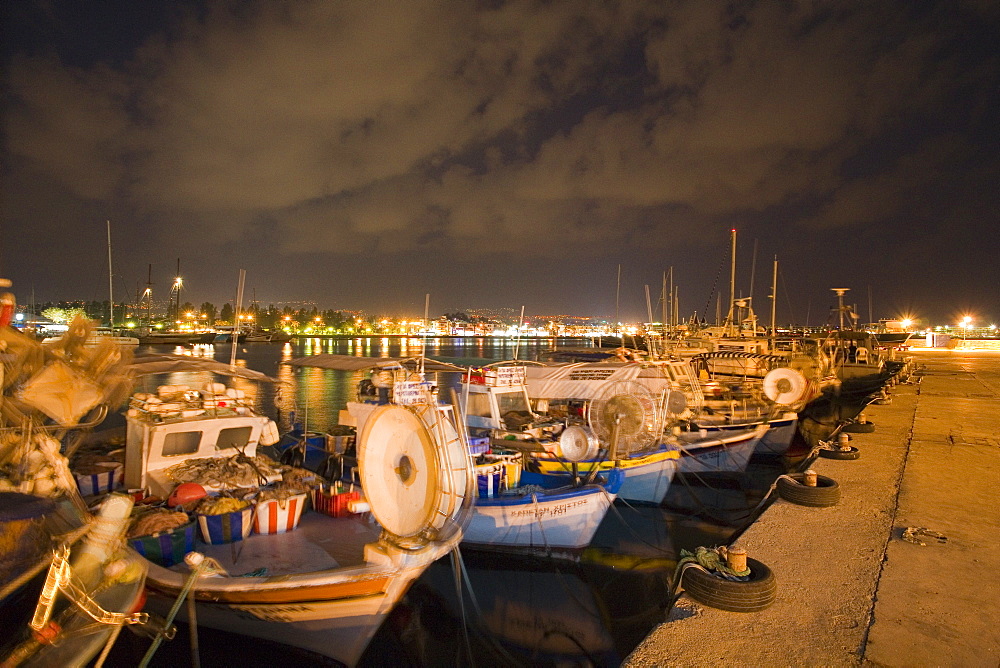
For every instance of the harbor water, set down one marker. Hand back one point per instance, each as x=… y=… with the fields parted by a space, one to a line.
x=480 y=607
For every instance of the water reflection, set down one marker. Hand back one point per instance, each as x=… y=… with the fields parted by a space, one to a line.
x=519 y=611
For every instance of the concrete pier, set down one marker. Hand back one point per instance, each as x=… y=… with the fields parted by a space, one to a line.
x=851 y=590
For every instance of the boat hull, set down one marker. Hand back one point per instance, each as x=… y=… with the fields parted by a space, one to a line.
x=775 y=441
x=334 y=613
x=647 y=476
x=564 y=518
x=725 y=453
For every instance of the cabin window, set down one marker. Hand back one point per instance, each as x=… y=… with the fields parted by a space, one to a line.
x=479 y=405
x=512 y=401
x=181 y=443
x=235 y=437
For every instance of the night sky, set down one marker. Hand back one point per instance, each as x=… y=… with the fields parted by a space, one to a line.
x=500 y=154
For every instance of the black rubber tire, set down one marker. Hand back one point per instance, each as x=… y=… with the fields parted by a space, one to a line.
x=825 y=493
x=716 y=592
x=859 y=427
x=837 y=453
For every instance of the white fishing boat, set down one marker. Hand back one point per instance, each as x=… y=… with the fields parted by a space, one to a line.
x=321 y=581
x=642 y=406
x=513 y=508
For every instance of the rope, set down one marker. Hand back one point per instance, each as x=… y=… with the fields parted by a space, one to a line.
x=192 y=577
x=711 y=293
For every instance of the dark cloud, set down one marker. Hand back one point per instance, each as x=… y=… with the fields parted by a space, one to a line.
x=558 y=139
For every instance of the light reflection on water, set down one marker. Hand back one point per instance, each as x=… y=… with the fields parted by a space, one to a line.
x=534 y=611
x=316 y=396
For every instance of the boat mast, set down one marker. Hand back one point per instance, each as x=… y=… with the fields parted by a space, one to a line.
x=774 y=296
x=840 y=305
x=732 y=283
x=517 y=339
x=618 y=292
x=111 y=293
x=649 y=314
x=239 y=306
x=673 y=313
x=147 y=296
x=663 y=305
x=423 y=341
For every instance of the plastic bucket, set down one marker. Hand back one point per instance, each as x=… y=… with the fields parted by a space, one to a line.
x=226 y=528
x=107 y=480
x=166 y=548
x=274 y=516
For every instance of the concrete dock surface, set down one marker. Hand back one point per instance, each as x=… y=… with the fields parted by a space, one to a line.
x=851 y=590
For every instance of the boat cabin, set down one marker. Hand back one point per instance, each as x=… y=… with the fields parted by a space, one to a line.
x=178 y=424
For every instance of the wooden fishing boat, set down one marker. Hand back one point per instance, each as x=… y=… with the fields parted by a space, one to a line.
x=321 y=579
x=513 y=508
x=326 y=582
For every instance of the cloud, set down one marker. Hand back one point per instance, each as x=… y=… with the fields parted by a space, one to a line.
x=358 y=128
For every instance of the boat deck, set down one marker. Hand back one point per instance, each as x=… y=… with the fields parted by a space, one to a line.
x=319 y=542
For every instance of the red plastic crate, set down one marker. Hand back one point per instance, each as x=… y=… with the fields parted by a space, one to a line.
x=334 y=503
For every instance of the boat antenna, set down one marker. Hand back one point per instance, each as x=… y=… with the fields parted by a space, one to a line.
x=111 y=288
x=236 y=323
x=517 y=338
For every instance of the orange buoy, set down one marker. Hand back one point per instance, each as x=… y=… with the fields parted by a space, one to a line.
x=185 y=493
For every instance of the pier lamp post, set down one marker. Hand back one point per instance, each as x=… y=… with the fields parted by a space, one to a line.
x=966 y=322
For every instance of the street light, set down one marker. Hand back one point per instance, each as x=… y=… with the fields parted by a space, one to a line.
x=966 y=321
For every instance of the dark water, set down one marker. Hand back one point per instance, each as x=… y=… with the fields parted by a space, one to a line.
x=590 y=609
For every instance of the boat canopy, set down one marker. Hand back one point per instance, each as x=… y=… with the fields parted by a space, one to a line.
x=146 y=364
x=588 y=380
x=357 y=363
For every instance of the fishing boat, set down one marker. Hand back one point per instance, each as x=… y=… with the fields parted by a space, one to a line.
x=320 y=579
x=644 y=406
x=513 y=508
x=528 y=508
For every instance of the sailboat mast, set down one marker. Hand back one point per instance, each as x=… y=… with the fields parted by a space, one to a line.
x=236 y=319
x=774 y=295
x=618 y=292
x=111 y=287
x=663 y=305
x=673 y=313
x=517 y=339
x=732 y=281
